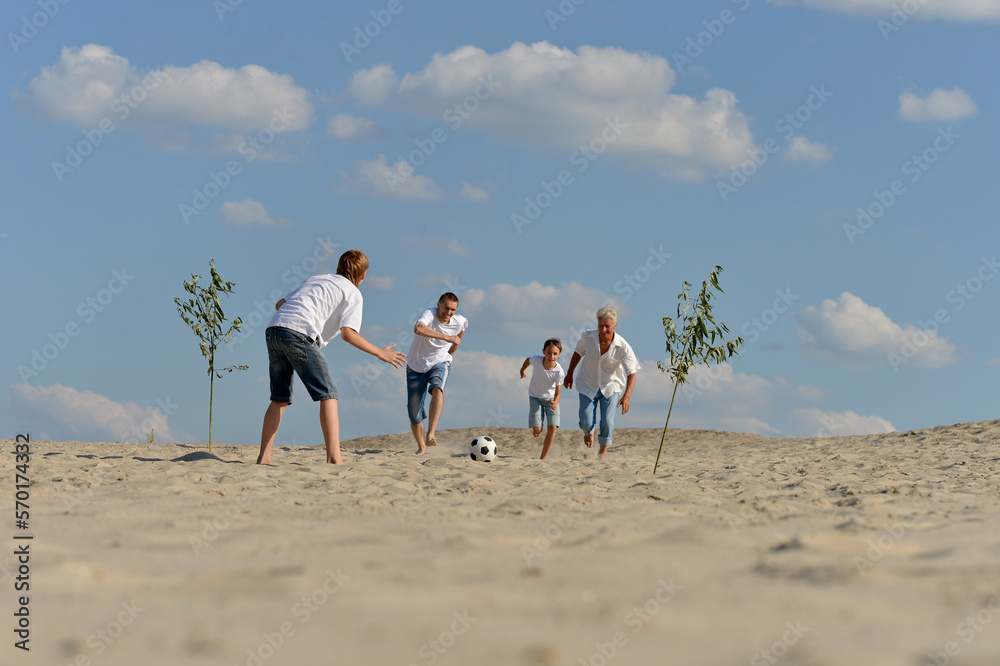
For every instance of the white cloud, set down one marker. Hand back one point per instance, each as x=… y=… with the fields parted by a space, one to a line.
x=536 y=311
x=372 y=86
x=93 y=83
x=545 y=95
x=377 y=179
x=383 y=282
x=248 y=213
x=717 y=397
x=750 y=424
x=473 y=193
x=851 y=332
x=812 y=422
x=803 y=150
x=347 y=127
x=956 y=10
x=66 y=413
x=939 y=105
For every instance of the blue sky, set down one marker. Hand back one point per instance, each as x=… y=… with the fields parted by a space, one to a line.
x=542 y=159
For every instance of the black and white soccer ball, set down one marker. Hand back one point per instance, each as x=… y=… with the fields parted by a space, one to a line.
x=483 y=449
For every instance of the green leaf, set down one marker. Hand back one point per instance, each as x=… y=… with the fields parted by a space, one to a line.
x=695 y=343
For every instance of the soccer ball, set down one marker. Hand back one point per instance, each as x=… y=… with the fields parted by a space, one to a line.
x=483 y=449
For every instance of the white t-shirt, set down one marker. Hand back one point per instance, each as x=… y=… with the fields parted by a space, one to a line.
x=607 y=373
x=544 y=382
x=320 y=307
x=426 y=352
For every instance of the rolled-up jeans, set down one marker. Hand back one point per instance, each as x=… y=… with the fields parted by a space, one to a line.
x=591 y=407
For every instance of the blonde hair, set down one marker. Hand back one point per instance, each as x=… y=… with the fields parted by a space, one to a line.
x=352 y=265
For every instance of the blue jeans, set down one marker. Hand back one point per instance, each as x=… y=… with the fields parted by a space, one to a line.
x=589 y=407
x=418 y=385
x=291 y=352
x=540 y=413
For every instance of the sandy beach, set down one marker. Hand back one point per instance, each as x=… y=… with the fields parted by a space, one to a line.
x=877 y=550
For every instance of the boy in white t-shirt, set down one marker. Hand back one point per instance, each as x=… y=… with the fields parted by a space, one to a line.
x=438 y=333
x=545 y=391
x=322 y=308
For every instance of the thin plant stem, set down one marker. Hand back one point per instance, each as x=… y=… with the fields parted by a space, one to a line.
x=664 y=436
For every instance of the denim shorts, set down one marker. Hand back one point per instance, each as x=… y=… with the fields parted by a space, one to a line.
x=540 y=413
x=291 y=352
x=419 y=384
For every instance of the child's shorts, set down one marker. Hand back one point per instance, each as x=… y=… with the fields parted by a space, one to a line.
x=540 y=412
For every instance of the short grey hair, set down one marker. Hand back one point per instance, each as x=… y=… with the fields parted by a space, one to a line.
x=607 y=312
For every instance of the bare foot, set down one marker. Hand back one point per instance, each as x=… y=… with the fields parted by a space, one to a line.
x=431 y=442
x=421 y=449
x=589 y=441
x=263 y=462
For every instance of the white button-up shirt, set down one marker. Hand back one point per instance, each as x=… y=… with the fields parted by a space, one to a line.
x=606 y=372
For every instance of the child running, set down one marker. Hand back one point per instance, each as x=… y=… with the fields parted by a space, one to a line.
x=544 y=391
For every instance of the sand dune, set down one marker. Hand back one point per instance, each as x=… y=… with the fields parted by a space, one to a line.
x=880 y=549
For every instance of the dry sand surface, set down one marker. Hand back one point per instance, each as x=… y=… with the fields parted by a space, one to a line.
x=881 y=549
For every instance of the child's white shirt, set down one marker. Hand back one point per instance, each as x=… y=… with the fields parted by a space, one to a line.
x=544 y=382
